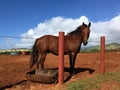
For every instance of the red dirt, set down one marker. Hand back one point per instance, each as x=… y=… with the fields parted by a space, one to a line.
x=13 y=69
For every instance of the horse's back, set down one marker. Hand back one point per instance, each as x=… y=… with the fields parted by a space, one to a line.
x=47 y=43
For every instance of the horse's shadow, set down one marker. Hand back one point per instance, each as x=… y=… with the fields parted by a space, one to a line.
x=77 y=70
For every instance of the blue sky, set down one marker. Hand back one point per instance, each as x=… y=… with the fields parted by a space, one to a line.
x=18 y=16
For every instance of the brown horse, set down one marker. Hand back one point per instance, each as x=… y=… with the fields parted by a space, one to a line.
x=49 y=43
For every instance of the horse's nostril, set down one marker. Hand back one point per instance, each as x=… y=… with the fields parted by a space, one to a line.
x=85 y=43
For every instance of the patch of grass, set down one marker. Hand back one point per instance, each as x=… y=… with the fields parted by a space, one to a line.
x=94 y=82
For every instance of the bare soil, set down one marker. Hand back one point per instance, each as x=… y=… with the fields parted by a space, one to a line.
x=13 y=70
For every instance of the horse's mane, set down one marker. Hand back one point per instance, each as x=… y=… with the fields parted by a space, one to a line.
x=78 y=29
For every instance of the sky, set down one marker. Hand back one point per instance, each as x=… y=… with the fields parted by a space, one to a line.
x=22 y=21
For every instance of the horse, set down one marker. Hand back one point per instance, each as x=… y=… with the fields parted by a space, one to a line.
x=49 y=44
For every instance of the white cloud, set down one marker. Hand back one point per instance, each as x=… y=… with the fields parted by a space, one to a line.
x=109 y=28
x=52 y=27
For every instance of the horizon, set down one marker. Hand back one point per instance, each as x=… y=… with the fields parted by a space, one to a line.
x=82 y=48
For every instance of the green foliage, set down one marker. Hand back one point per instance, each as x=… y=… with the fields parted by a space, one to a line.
x=94 y=82
x=76 y=86
x=16 y=51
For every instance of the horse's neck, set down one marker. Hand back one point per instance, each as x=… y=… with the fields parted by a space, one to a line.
x=77 y=36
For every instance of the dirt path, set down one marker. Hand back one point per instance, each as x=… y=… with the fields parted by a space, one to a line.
x=13 y=69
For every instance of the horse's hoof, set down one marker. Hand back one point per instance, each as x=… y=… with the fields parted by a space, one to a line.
x=38 y=72
x=72 y=73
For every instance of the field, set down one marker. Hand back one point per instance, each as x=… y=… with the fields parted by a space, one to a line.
x=13 y=70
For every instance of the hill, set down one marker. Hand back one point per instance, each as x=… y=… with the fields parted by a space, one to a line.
x=108 y=47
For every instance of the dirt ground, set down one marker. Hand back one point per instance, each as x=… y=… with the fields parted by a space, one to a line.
x=13 y=69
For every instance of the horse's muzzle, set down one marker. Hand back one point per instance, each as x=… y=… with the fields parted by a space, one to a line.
x=85 y=43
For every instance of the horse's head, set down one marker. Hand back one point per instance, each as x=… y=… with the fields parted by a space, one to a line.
x=85 y=32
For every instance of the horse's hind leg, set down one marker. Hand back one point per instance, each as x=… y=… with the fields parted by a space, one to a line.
x=40 y=63
x=37 y=66
x=42 y=60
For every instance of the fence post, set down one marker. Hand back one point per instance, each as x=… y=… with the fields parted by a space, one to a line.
x=61 y=58
x=102 y=55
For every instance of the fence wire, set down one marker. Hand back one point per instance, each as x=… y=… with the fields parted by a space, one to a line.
x=16 y=37
x=91 y=43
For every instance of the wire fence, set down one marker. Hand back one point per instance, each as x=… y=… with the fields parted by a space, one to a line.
x=6 y=40
x=16 y=37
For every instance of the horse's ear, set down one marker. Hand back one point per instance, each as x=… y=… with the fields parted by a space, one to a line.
x=83 y=23
x=89 y=24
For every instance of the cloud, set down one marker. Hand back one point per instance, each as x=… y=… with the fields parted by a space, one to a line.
x=110 y=29
x=52 y=27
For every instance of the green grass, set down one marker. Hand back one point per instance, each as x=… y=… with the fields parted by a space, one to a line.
x=94 y=82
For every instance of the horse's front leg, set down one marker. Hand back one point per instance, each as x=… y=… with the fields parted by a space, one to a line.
x=72 y=58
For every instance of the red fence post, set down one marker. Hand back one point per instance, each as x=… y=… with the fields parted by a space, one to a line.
x=61 y=58
x=102 y=61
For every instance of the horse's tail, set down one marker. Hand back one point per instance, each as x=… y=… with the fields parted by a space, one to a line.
x=34 y=55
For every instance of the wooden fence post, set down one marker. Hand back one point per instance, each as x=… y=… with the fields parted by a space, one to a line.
x=102 y=61
x=61 y=58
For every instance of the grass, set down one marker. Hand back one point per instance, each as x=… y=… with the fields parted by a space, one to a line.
x=95 y=83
